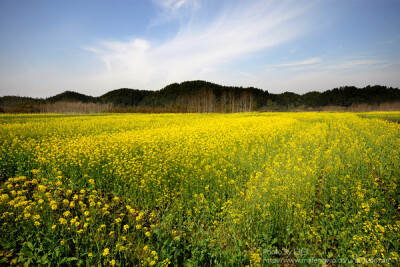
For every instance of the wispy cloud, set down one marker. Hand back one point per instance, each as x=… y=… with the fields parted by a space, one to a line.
x=202 y=44
x=317 y=79
x=351 y=64
x=171 y=10
x=170 y=4
x=328 y=73
x=344 y=64
x=302 y=62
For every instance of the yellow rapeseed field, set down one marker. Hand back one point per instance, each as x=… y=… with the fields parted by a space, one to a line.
x=200 y=189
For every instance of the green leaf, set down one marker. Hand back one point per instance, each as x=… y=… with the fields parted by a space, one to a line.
x=330 y=255
x=29 y=244
x=72 y=259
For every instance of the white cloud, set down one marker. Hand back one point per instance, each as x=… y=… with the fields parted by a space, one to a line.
x=350 y=64
x=303 y=62
x=171 y=10
x=343 y=65
x=171 y=5
x=201 y=44
x=321 y=80
x=329 y=73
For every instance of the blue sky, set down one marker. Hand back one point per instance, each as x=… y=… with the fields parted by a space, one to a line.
x=94 y=46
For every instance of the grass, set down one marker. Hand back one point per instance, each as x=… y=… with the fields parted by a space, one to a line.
x=199 y=189
x=389 y=116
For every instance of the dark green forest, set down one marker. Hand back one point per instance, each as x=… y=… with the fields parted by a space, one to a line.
x=202 y=96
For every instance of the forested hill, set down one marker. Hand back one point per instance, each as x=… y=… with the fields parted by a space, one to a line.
x=202 y=96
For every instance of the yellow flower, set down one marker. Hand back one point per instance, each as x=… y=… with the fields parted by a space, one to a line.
x=138 y=226
x=152 y=263
x=4 y=197
x=67 y=213
x=132 y=211
x=90 y=255
x=148 y=234
x=112 y=262
x=54 y=226
x=106 y=252
x=42 y=188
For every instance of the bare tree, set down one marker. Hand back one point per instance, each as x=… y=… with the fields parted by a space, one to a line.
x=75 y=107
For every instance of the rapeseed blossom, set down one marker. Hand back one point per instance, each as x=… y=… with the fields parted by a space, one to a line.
x=119 y=187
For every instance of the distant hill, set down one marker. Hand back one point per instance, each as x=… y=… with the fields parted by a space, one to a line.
x=203 y=96
x=125 y=97
x=13 y=101
x=19 y=104
x=69 y=96
x=202 y=93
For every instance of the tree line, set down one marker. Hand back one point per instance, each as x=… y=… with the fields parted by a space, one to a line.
x=200 y=97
